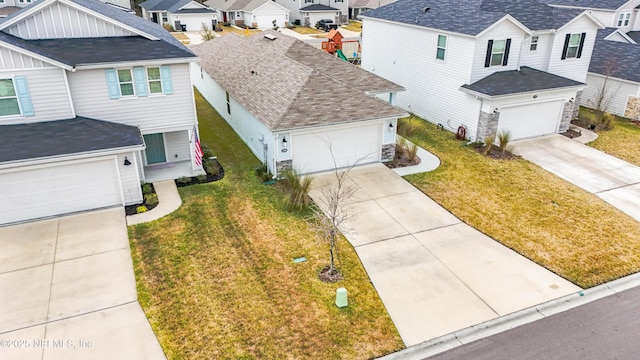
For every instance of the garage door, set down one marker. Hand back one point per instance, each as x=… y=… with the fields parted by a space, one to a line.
x=41 y=192
x=531 y=120
x=359 y=144
x=266 y=21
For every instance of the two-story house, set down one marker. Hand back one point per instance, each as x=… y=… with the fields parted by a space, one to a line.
x=621 y=14
x=309 y=12
x=483 y=66
x=18 y=4
x=93 y=101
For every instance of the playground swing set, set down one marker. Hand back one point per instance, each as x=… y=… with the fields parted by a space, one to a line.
x=336 y=45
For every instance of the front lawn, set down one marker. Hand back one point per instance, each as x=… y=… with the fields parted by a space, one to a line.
x=353 y=26
x=217 y=281
x=622 y=141
x=308 y=31
x=558 y=225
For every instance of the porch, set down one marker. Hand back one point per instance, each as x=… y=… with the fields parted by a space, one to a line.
x=170 y=171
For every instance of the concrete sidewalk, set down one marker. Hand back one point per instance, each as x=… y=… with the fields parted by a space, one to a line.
x=168 y=201
x=69 y=292
x=434 y=274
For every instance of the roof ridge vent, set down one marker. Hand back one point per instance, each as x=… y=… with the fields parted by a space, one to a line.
x=270 y=37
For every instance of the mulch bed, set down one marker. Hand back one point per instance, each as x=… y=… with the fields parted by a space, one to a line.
x=401 y=159
x=572 y=134
x=214 y=171
x=327 y=276
x=496 y=153
x=132 y=209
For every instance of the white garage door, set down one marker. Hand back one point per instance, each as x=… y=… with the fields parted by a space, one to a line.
x=41 y=192
x=531 y=120
x=194 y=22
x=359 y=144
x=266 y=21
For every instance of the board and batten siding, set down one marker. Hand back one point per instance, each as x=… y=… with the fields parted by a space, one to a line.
x=13 y=60
x=62 y=21
x=151 y=113
x=177 y=146
x=406 y=55
x=48 y=93
x=573 y=68
x=618 y=90
x=131 y=192
x=502 y=31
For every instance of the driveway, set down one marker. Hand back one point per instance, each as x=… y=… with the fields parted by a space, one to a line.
x=68 y=291
x=613 y=180
x=434 y=274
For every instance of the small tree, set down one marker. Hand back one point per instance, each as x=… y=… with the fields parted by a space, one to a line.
x=206 y=33
x=604 y=96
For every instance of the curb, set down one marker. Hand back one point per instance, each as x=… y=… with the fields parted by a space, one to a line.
x=513 y=320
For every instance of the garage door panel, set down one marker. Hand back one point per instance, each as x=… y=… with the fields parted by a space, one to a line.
x=41 y=192
x=532 y=120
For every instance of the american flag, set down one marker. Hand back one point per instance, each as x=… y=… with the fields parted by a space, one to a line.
x=197 y=150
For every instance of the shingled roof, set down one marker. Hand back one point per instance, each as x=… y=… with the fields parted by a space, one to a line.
x=172 y=6
x=236 y=5
x=64 y=137
x=514 y=82
x=614 y=58
x=287 y=84
x=589 y=4
x=472 y=16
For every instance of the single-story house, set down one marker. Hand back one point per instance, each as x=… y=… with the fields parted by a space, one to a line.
x=181 y=15
x=357 y=7
x=296 y=106
x=259 y=14
x=614 y=75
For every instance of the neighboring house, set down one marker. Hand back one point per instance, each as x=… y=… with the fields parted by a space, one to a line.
x=614 y=75
x=482 y=67
x=22 y=3
x=622 y=14
x=295 y=105
x=357 y=7
x=181 y=15
x=309 y=12
x=87 y=113
x=255 y=13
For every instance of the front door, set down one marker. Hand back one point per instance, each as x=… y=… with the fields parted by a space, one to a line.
x=155 y=148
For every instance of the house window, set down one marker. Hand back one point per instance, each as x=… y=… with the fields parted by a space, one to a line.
x=623 y=19
x=228 y=103
x=442 y=47
x=497 y=53
x=125 y=80
x=165 y=17
x=308 y=1
x=339 y=1
x=573 y=44
x=534 y=43
x=15 y=98
x=238 y=14
x=154 y=80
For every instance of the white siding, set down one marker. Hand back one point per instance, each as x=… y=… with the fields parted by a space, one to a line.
x=129 y=179
x=61 y=21
x=502 y=31
x=177 y=146
x=608 y=18
x=150 y=113
x=619 y=92
x=48 y=92
x=12 y=60
x=538 y=59
x=574 y=68
x=192 y=21
x=407 y=56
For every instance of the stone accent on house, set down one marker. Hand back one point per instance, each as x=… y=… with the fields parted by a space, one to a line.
x=567 y=116
x=633 y=108
x=388 y=152
x=283 y=165
x=576 y=106
x=487 y=125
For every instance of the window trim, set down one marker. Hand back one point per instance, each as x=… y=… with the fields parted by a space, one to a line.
x=624 y=20
x=533 y=45
x=132 y=82
x=22 y=95
x=14 y=96
x=158 y=80
x=488 y=61
x=228 y=99
x=443 y=48
x=567 y=46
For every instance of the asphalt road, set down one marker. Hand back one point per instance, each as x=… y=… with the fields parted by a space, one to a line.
x=608 y=328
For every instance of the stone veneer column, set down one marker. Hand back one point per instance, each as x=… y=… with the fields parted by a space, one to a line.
x=283 y=165
x=576 y=106
x=633 y=108
x=388 y=152
x=487 y=125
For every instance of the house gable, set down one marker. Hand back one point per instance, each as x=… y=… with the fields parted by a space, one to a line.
x=15 y=59
x=269 y=7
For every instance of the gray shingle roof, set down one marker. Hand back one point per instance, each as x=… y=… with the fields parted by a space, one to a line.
x=318 y=7
x=516 y=82
x=472 y=16
x=635 y=35
x=287 y=84
x=589 y=4
x=172 y=6
x=64 y=137
x=235 y=5
x=614 y=58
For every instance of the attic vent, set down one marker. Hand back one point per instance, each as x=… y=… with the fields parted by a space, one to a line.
x=270 y=37
x=426 y=9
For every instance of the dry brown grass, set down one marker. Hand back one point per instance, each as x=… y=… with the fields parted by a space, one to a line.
x=622 y=141
x=558 y=225
x=217 y=281
x=308 y=31
x=242 y=32
x=353 y=26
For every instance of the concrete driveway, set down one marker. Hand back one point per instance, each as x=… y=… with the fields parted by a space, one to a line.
x=434 y=274
x=68 y=291
x=613 y=180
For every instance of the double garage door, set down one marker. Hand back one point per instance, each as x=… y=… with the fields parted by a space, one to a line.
x=54 y=190
x=529 y=121
x=313 y=152
x=265 y=21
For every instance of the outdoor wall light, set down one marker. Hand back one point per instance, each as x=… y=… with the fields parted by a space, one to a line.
x=126 y=161
x=495 y=111
x=390 y=126
x=284 y=142
x=571 y=100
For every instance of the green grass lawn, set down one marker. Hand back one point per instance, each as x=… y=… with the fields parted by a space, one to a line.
x=217 y=281
x=353 y=26
x=308 y=31
x=622 y=141
x=558 y=225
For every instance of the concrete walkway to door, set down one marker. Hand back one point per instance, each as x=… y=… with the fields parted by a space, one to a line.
x=434 y=274
x=613 y=180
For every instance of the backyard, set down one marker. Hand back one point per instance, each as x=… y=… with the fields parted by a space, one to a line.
x=216 y=278
x=556 y=224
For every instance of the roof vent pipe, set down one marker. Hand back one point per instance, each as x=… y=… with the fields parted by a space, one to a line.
x=426 y=9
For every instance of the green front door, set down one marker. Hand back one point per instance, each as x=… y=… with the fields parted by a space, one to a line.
x=155 y=148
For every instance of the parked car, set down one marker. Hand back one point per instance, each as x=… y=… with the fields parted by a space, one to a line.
x=326 y=25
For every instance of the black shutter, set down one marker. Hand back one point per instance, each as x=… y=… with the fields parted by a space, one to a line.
x=566 y=46
x=487 y=59
x=581 y=45
x=507 y=46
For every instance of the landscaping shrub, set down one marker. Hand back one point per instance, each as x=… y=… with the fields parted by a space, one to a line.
x=298 y=187
x=488 y=142
x=503 y=138
x=140 y=209
x=151 y=199
x=147 y=188
x=183 y=180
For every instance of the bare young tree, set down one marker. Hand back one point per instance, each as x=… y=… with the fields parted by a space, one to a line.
x=605 y=94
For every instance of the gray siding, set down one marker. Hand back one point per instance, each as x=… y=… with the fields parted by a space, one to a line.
x=61 y=21
x=177 y=146
x=12 y=60
x=151 y=113
x=129 y=179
